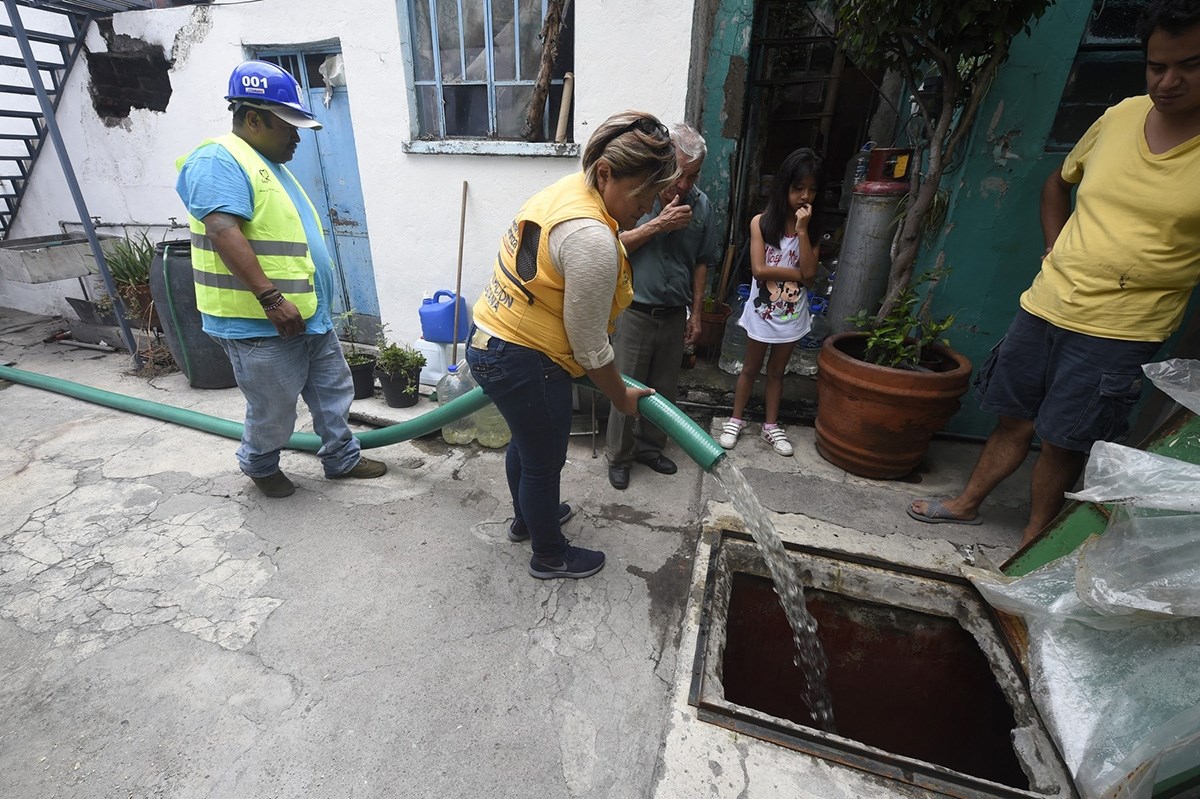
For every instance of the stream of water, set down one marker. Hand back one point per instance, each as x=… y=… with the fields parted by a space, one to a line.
x=810 y=656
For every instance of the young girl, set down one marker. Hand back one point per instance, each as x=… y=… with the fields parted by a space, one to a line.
x=783 y=260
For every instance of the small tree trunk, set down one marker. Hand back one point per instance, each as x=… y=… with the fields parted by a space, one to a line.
x=910 y=232
x=551 y=31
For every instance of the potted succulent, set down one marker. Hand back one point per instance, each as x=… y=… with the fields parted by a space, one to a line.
x=883 y=393
x=360 y=359
x=398 y=367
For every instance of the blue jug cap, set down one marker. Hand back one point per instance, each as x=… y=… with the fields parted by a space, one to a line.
x=452 y=368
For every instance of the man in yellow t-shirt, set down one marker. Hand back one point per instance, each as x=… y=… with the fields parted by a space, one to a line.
x=1114 y=283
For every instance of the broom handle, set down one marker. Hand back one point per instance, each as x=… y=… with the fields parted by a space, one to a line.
x=462 y=234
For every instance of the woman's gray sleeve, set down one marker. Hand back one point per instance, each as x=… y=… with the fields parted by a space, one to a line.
x=585 y=252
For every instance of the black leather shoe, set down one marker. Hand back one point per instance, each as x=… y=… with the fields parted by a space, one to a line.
x=619 y=477
x=658 y=462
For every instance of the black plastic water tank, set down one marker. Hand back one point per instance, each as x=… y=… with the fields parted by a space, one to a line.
x=199 y=357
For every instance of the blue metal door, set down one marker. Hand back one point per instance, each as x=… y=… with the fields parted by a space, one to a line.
x=326 y=164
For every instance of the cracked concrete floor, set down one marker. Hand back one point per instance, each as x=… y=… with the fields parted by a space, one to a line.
x=166 y=631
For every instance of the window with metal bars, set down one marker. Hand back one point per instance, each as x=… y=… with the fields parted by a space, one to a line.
x=1109 y=66
x=475 y=67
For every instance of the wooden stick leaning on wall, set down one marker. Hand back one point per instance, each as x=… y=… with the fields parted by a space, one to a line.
x=552 y=30
x=564 y=107
x=462 y=234
x=731 y=245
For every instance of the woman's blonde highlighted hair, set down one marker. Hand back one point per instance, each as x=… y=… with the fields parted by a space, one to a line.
x=633 y=144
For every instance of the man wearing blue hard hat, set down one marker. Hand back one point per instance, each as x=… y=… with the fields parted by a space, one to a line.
x=264 y=279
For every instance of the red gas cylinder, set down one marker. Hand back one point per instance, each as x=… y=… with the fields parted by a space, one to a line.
x=887 y=172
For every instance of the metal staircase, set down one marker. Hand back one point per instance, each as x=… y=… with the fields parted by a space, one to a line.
x=54 y=31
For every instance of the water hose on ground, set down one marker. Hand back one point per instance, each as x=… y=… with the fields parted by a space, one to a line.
x=695 y=442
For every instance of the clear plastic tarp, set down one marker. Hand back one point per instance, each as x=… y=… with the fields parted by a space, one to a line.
x=1114 y=627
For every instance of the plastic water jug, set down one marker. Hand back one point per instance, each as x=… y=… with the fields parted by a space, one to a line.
x=437 y=317
x=733 y=345
x=804 y=356
x=490 y=428
x=456 y=382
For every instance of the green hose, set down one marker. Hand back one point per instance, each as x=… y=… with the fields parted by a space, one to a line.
x=694 y=441
x=698 y=444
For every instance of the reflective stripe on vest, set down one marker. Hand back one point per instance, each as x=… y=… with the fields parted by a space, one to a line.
x=230 y=283
x=275 y=234
x=298 y=249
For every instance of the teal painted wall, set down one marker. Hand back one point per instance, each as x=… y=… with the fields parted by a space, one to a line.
x=993 y=237
x=725 y=90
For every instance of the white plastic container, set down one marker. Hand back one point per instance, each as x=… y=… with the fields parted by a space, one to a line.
x=437 y=358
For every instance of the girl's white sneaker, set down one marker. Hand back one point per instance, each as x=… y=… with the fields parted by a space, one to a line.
x=777 y=439
x=730 y=433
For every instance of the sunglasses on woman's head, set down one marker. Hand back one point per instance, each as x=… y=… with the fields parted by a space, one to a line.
x=650 y=127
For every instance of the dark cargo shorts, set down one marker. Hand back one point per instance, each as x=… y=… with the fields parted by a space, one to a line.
x=1078 y=389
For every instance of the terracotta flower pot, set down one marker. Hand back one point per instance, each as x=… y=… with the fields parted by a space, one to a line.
x=712 y=329
x=875 y=421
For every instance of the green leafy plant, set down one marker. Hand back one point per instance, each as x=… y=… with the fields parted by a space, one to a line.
x=395 y=358
x=899 y=340
x=960 y=44
x=348 y=333
x=129 y=259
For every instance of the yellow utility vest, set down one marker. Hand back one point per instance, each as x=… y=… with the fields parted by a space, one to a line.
x=275 y=233
x=523 y=302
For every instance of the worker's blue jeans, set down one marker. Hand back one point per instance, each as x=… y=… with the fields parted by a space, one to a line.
x=533 y=394
x=271 y=373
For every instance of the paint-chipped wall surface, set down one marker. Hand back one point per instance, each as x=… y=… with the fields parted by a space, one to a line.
x=628 y=54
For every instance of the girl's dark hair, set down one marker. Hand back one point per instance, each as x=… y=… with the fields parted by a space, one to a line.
x=1173 y=16
x=800 y=164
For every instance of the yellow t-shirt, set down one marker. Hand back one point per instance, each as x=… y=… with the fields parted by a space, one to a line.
x=1129 y=256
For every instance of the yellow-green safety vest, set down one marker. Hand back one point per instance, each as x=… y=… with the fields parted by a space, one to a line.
x=276 y=234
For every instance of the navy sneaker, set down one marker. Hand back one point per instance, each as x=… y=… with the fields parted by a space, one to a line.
x=517 y=531
x=575 y=563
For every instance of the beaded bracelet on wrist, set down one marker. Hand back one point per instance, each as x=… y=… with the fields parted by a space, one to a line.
x=278 y=302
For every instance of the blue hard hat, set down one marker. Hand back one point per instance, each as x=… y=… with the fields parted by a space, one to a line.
x=261 y=84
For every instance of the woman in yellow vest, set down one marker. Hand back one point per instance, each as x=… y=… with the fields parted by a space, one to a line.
x=560 y=279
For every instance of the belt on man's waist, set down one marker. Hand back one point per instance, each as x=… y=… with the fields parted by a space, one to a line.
x=657 y=311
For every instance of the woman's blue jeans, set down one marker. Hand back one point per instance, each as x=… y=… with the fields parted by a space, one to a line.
x=533 y=393
x=272 y=372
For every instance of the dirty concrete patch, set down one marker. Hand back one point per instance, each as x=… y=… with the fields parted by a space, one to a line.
x=668 y=588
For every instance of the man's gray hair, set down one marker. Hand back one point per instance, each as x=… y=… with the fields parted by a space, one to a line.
x=689 y=141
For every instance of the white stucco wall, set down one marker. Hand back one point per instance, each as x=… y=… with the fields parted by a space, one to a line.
x=629 y=54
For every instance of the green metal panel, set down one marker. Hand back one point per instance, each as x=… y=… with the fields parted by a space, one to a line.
x=1083 y=522
x=1179 y=438
x=724 y=91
